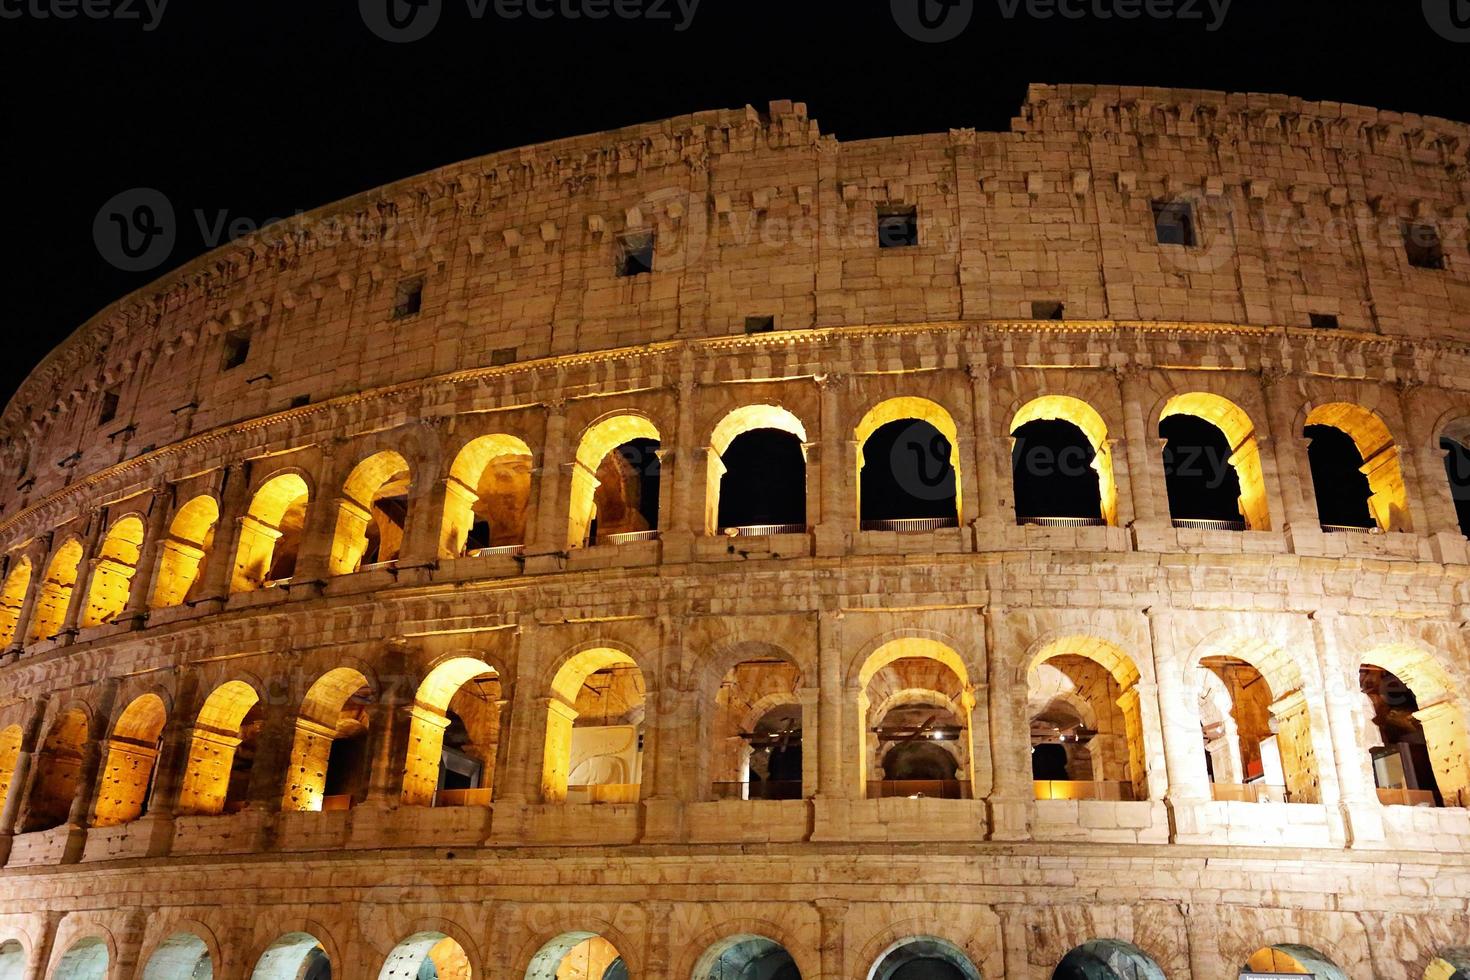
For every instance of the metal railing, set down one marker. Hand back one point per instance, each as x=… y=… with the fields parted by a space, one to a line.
x=1405 y=797
x=937 y=789
x=911 y=525
x=374 y=566
x=1202 y=524
x=480 y=796
x=1082 y=789
x=1350 y=529
x=762 y=530
x=761 y=789
x=1061 y=522
x=628 y=537
x=498 y=549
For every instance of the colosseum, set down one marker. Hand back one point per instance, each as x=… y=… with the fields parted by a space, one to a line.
x=713 y=550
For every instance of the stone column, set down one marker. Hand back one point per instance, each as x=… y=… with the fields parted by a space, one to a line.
x=677 y=533
x=831 y=953
x=84 y=801
x=45 y=942
x=1186 y=784
x=1343 y=716
x=830 y=707
x=28 y=604
x=83 y=584
x=425 y=521
x=988 y=484
x=10 y=807
x=1289 y=450
x=524 y=732
x=546 y=524
x=839 y=489
x=1012 y=795
x=140 y=590
x=1141 y=449
x=219 y=564
x=267 y=788
x=390 y=725
x=1141 y=701
x=659 y=916
x=313 y=559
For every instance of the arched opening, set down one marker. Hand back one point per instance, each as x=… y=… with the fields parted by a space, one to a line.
x=908 y=467
x=454 y=736
x=190 y=540
x=294 y=956
x=426 y=956
x=914 y=707
x=746 y=957
x=85 y=959
x=486 y=497
x=1454 y=442
x=1414 y=728
x=9 y=755
x=1289 y=959
x=182 y=956
x=13 y=598
x=577 y=956
x=1355 y=470
x=757 y=731
x=1086 y=725
x=1272 y=735
x=615 y=483
x=55 y=773
x=1107 y=959
x=12 y=960
x=113 y=571
x=1212 y=464
x=371 y=515
x=126 y=779
x=594 y=730
x=1061 y=464
x=270 y=534
x=222 y=751
x=923 y=958
x=56 y=589
x=756 y=481
x=329 y=750
x=1450 y=964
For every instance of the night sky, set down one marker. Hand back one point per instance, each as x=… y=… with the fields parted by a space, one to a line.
x=250 y=111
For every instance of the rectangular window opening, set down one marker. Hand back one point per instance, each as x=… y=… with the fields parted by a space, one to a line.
x=300 y=401
x=237 y=348
x=409 y=299
x=1323 y=321
x=502 y=356
x=1174 y=223
x=760 y=324
x=108 y=410
x=1422 y=245
x=635 y=254
x=898 y=226
x=1047 y=310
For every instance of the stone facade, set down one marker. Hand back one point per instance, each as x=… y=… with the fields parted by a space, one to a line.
x=264 y=555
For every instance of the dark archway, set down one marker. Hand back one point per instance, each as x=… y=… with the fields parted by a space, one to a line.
x=746 y=957
x=1053 y=472
x=1457 y=472
x=907 y=474
x=1201 y=482
x=1342 y=489
x=764 y=482
x=626 y=498
x=923 y=958
x=1107 y=959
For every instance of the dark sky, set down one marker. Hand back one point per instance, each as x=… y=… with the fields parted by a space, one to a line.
x=254 y=109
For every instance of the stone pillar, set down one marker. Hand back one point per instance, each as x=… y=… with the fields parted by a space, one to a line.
x=988 y=483
x=84 y=581
x=313 y=559
x=839 y=488
x=1186 y=783
x=45 y=937
x=10 y=807
x=1287 y=447
x=84 y=801
x=1141 y=702
x=830 y=708
x=1012 y=795
x=1141 y=449
x=426 y=496
x=810 y=698
x=390 y=724
x=140 y=590
x=168 y=778
x=659 y=916
x=1343 y=716
x=831 y=953
x=677 y=532
x=273 y=745
x=219 y=564
x=546 y=525
x=525 y=730
x=977 y=717
x=28 y=604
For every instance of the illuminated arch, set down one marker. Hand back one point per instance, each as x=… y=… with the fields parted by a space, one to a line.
x=1118 y=754
x=431 y=719
x=490 y=483
x=217 y=735
x=190 y=538
x=435 y=950
x=909 y=407
x=1289 y=958
x=320 y=723
x=132 y=754
x=561 y=714
x=10 y=739
x=1245 y=450
x=746 y=418
x=745 y=955
x=577 y=953
x=1388 y=502
x=113 y=571
x=294 y=956
x=1065 y=408
x=85 y=959
x=372 y=513
x=754 y=732
x=1107 y=959
x=1450 y=964
x=270 y=533
x=56 y=590
x=943 y=959
x=1440 y=714
x=12 y=960
x=597 y=441
x=56 y=772
x=13 y=599
x=182 y=956
x=902 y=648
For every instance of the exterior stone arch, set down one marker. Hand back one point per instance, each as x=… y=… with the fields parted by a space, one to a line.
x=1223 y=411
x=1374 y=438
x=279 y=508
x=273 y=928
x=603 y=435
x=316 y=730
x=192 y=529
x=429 y=934
x=570 y=671
x=882 y=410
x=358 y=511
x=77 y=928
x=158 y=940
x=1080 y=413
x=805 y=955
x=466 y=488
x=579 y=922
x=61 y=577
